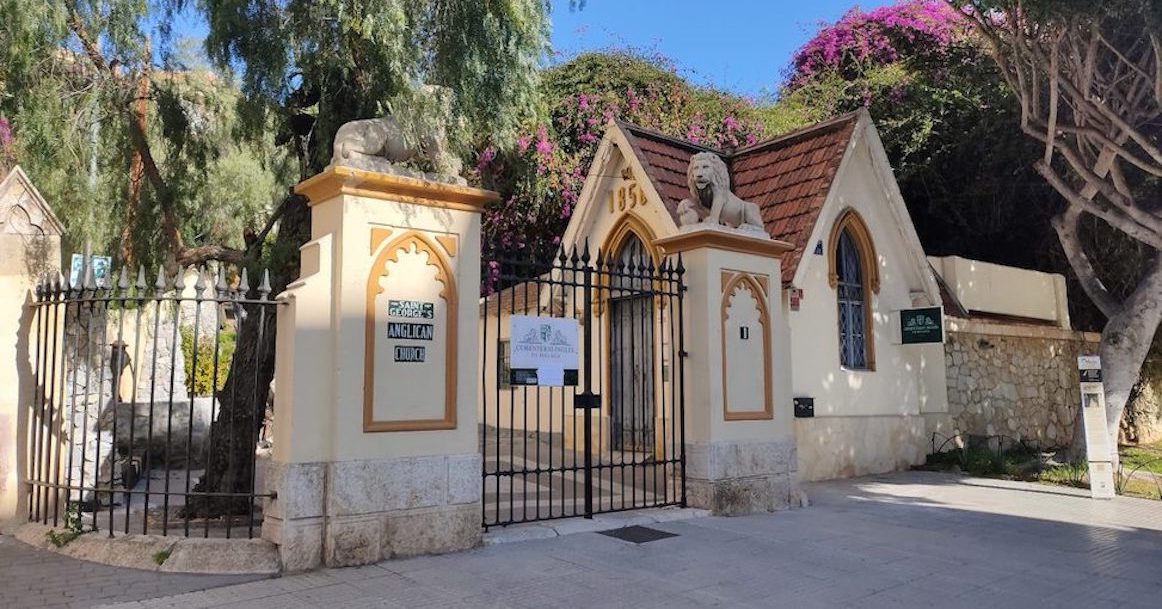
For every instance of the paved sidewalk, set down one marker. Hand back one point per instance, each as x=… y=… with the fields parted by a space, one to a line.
x=906 y=540
x=33 y=578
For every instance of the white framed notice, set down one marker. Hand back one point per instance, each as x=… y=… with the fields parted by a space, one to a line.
x=544 y=350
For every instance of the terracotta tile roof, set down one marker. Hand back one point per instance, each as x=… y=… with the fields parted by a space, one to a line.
x=665 y=160
x=789 y=176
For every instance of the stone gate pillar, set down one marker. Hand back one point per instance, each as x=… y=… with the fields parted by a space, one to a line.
x=30 y=249
x=740 y=434
x=375 y=433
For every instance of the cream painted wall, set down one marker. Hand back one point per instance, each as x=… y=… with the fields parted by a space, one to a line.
x=29 y=248
x=1005 y=290
x=16 y=350
x=908 y=380
x=705 y=420
x=320 y=377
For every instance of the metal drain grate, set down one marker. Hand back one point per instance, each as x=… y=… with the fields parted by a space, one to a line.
x=637 y=534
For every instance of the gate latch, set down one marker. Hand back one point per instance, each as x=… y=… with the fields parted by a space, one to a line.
x=586 y=399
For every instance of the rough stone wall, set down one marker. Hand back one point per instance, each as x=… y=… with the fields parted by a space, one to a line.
x=1015 y=381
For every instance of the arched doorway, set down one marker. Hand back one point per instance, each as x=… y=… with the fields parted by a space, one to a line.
x=631 y=349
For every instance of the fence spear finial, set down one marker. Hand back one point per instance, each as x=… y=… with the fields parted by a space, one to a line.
x=244 y=284
x=160 y=282
x=179 y=280
x=200 y=284
x=264 y=287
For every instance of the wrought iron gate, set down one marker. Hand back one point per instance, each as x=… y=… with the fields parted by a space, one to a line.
x=613 y=441
x=131 y=403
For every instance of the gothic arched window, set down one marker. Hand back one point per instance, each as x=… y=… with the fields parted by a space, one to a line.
x=855 y=277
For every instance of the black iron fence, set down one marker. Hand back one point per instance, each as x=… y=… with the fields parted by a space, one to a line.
x=608 y=436
x=139 y=421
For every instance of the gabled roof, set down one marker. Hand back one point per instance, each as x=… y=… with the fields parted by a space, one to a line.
x=665 y=160
x=22 y=208
x=789 y=177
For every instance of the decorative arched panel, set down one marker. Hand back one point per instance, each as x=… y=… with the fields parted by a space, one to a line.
x=747 y=386
x=413 y=265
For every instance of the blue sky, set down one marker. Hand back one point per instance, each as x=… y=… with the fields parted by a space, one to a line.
x=737 y=45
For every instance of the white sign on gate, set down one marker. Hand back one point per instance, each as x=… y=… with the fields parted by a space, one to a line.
x=544 y=350
x=1097 y=437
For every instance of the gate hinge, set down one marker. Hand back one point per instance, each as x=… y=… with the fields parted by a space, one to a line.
x=587 y=399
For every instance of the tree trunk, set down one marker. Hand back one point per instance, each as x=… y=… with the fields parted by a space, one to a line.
x=1125 y=342
x=242 y=401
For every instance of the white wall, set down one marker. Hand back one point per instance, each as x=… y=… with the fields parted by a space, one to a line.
x=908 y=380
x=1005 y=290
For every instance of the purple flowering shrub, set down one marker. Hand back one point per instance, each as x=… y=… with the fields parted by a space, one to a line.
x=917 y=66
x=542 y=176
x=861 y=40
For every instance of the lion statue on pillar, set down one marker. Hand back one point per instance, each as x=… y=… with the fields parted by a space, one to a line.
x=381 y=144
x=709 y=183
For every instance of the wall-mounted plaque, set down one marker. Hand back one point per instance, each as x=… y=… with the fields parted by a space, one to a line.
x=411 y=309
x=410 y=329
x=922 y=326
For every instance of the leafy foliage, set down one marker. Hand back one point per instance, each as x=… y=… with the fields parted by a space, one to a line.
x=948 y=124
x=862 y=41
x=7 y=145
x=73 y=110
x=201 y=358
x=311 y=65
x=543 y=173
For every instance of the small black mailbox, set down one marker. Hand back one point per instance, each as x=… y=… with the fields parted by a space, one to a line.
x=804 y=408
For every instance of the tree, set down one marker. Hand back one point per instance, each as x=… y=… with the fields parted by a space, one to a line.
x=542 y=176
x=942 y=109
x=121 y=136
x=308 y=66
x=1088 y=78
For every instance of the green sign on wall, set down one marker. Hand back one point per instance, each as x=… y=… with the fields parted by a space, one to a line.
x=920 y=326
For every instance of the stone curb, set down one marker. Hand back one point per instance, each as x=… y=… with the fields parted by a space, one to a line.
x=599 y=522
x=175 y=554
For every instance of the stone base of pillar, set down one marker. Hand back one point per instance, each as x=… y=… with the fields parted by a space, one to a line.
x=360 y=512
x=734 y=478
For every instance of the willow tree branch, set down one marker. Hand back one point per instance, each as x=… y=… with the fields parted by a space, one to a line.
x=255 y=246
x=137 y=135
x=202 y=253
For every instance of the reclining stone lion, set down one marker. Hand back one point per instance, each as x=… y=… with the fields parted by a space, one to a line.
x=370 y=142
x=380 y=144
x=709 y=184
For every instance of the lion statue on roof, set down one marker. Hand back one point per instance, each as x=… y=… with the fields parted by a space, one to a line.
x=709 y=183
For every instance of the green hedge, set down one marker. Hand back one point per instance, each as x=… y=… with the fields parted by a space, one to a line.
x=201 y=379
